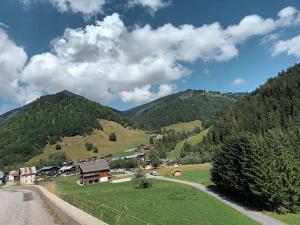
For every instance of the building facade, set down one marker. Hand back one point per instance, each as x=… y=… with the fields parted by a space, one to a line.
x=27 y=175
x=96 y=171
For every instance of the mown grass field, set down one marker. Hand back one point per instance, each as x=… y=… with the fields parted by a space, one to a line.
x=198 y=173
x=166 y=203
x=291 y=219
x=74 y=147
x=175 y=153
x=185 y=126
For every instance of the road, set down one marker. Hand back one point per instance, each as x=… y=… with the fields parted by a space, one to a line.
x=255 y=215
x=23 y=207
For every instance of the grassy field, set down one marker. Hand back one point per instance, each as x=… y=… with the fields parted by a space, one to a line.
x=291 y=219
x=193 y=140
x=166 y=203
x=187 y=126
x=198 y=173
x=74 y=147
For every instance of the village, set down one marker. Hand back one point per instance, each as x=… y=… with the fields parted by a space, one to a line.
x=93 y=170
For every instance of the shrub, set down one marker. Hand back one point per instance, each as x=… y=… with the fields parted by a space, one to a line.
x=89 y=146
x=112 y=137
x=57 y=147
x=141 y=180
x=95 y=150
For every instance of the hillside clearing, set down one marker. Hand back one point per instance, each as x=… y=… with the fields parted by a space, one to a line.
x=124 y=204
x=74 y=147
x=184 y=126
x=193 y=140
x=198 y=173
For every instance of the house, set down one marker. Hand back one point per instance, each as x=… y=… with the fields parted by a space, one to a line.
x=2 y=177
x=157 y=140
x=176 y=172
x=92 y=172
x=49 y=171
x=27 y=175
x=68 y=170
x=14 y=176
x=148 y=165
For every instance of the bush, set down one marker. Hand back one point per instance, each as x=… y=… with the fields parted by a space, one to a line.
x=95 y=150
x=141 y=180
x=89 y=146
x=57 y=159
x=58 y=147
x=112 y=137
x=53 y=140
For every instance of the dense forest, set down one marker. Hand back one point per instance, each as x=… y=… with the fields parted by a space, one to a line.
x=47 y=119
x=181 y=107
x=256 y=142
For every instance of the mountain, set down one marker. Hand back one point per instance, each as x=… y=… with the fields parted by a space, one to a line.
x=25 y=132
x=256 y=145
x=184 y=106
x=276 y=104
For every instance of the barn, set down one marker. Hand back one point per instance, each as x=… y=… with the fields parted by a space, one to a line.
x=96 y=171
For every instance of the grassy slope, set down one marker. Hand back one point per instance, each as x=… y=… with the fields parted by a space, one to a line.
x=166 y=203
x=74 y=147
x=186 y=126
x=199 y=173
x=193 y=140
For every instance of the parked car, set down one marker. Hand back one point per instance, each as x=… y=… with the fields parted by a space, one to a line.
x=154 y=173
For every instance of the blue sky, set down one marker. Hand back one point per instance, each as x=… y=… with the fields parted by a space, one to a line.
x=140 y=50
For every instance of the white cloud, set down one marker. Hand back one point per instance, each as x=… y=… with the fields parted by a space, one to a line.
x=238 y=81
x=152 y=5
x=106 y=60
x=144 y=94
x=3 y=25
x=290 y=46
x=86 y=7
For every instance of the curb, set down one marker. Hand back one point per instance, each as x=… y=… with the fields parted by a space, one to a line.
x=67 y=213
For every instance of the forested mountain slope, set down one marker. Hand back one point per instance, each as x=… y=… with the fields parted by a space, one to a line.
x=181 y=107
x=49 y=118
x=256 y=142
x=276 y=104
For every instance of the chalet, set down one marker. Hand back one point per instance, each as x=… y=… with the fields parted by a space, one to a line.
x=48 y=171
x=92 y=172
x=27 y=175
x=14 y=176
x=157 y=140
x=2 y=177
x=176 y=172
x=68 y=170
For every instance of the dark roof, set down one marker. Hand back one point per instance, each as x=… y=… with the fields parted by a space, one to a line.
x=93 y=166
x=48 y=168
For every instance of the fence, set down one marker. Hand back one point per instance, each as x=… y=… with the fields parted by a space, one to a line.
x=104 y=212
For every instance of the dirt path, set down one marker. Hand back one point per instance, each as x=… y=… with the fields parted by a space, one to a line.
x=255 y=215
x=23 y=207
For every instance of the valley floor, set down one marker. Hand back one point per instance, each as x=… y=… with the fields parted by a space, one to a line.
x=166 y=203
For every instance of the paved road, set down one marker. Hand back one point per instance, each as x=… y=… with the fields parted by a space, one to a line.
x=255 y=215
x=23 y=207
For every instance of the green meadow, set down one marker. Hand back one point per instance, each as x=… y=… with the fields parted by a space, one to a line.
x=166 y=203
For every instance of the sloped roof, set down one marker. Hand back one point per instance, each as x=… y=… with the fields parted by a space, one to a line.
x=27 y=171
x=66 y=168
x=14 y=173
x=93 y=166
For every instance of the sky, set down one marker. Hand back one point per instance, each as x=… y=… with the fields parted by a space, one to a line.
x=126 y=53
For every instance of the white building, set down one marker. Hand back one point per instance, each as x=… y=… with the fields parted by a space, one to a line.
x=13 y=176
x=27 y=175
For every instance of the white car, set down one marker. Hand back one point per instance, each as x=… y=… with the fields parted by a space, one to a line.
x=154 y=173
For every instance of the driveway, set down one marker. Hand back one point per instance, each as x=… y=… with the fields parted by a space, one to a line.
x=255 y=215
x=23 y=207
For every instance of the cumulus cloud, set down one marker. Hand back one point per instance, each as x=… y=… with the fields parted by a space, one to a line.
x=86 y=7
x=144 y=94
x=151 y=5
x=290 y=46
x=238 y=81
x=107 y=60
